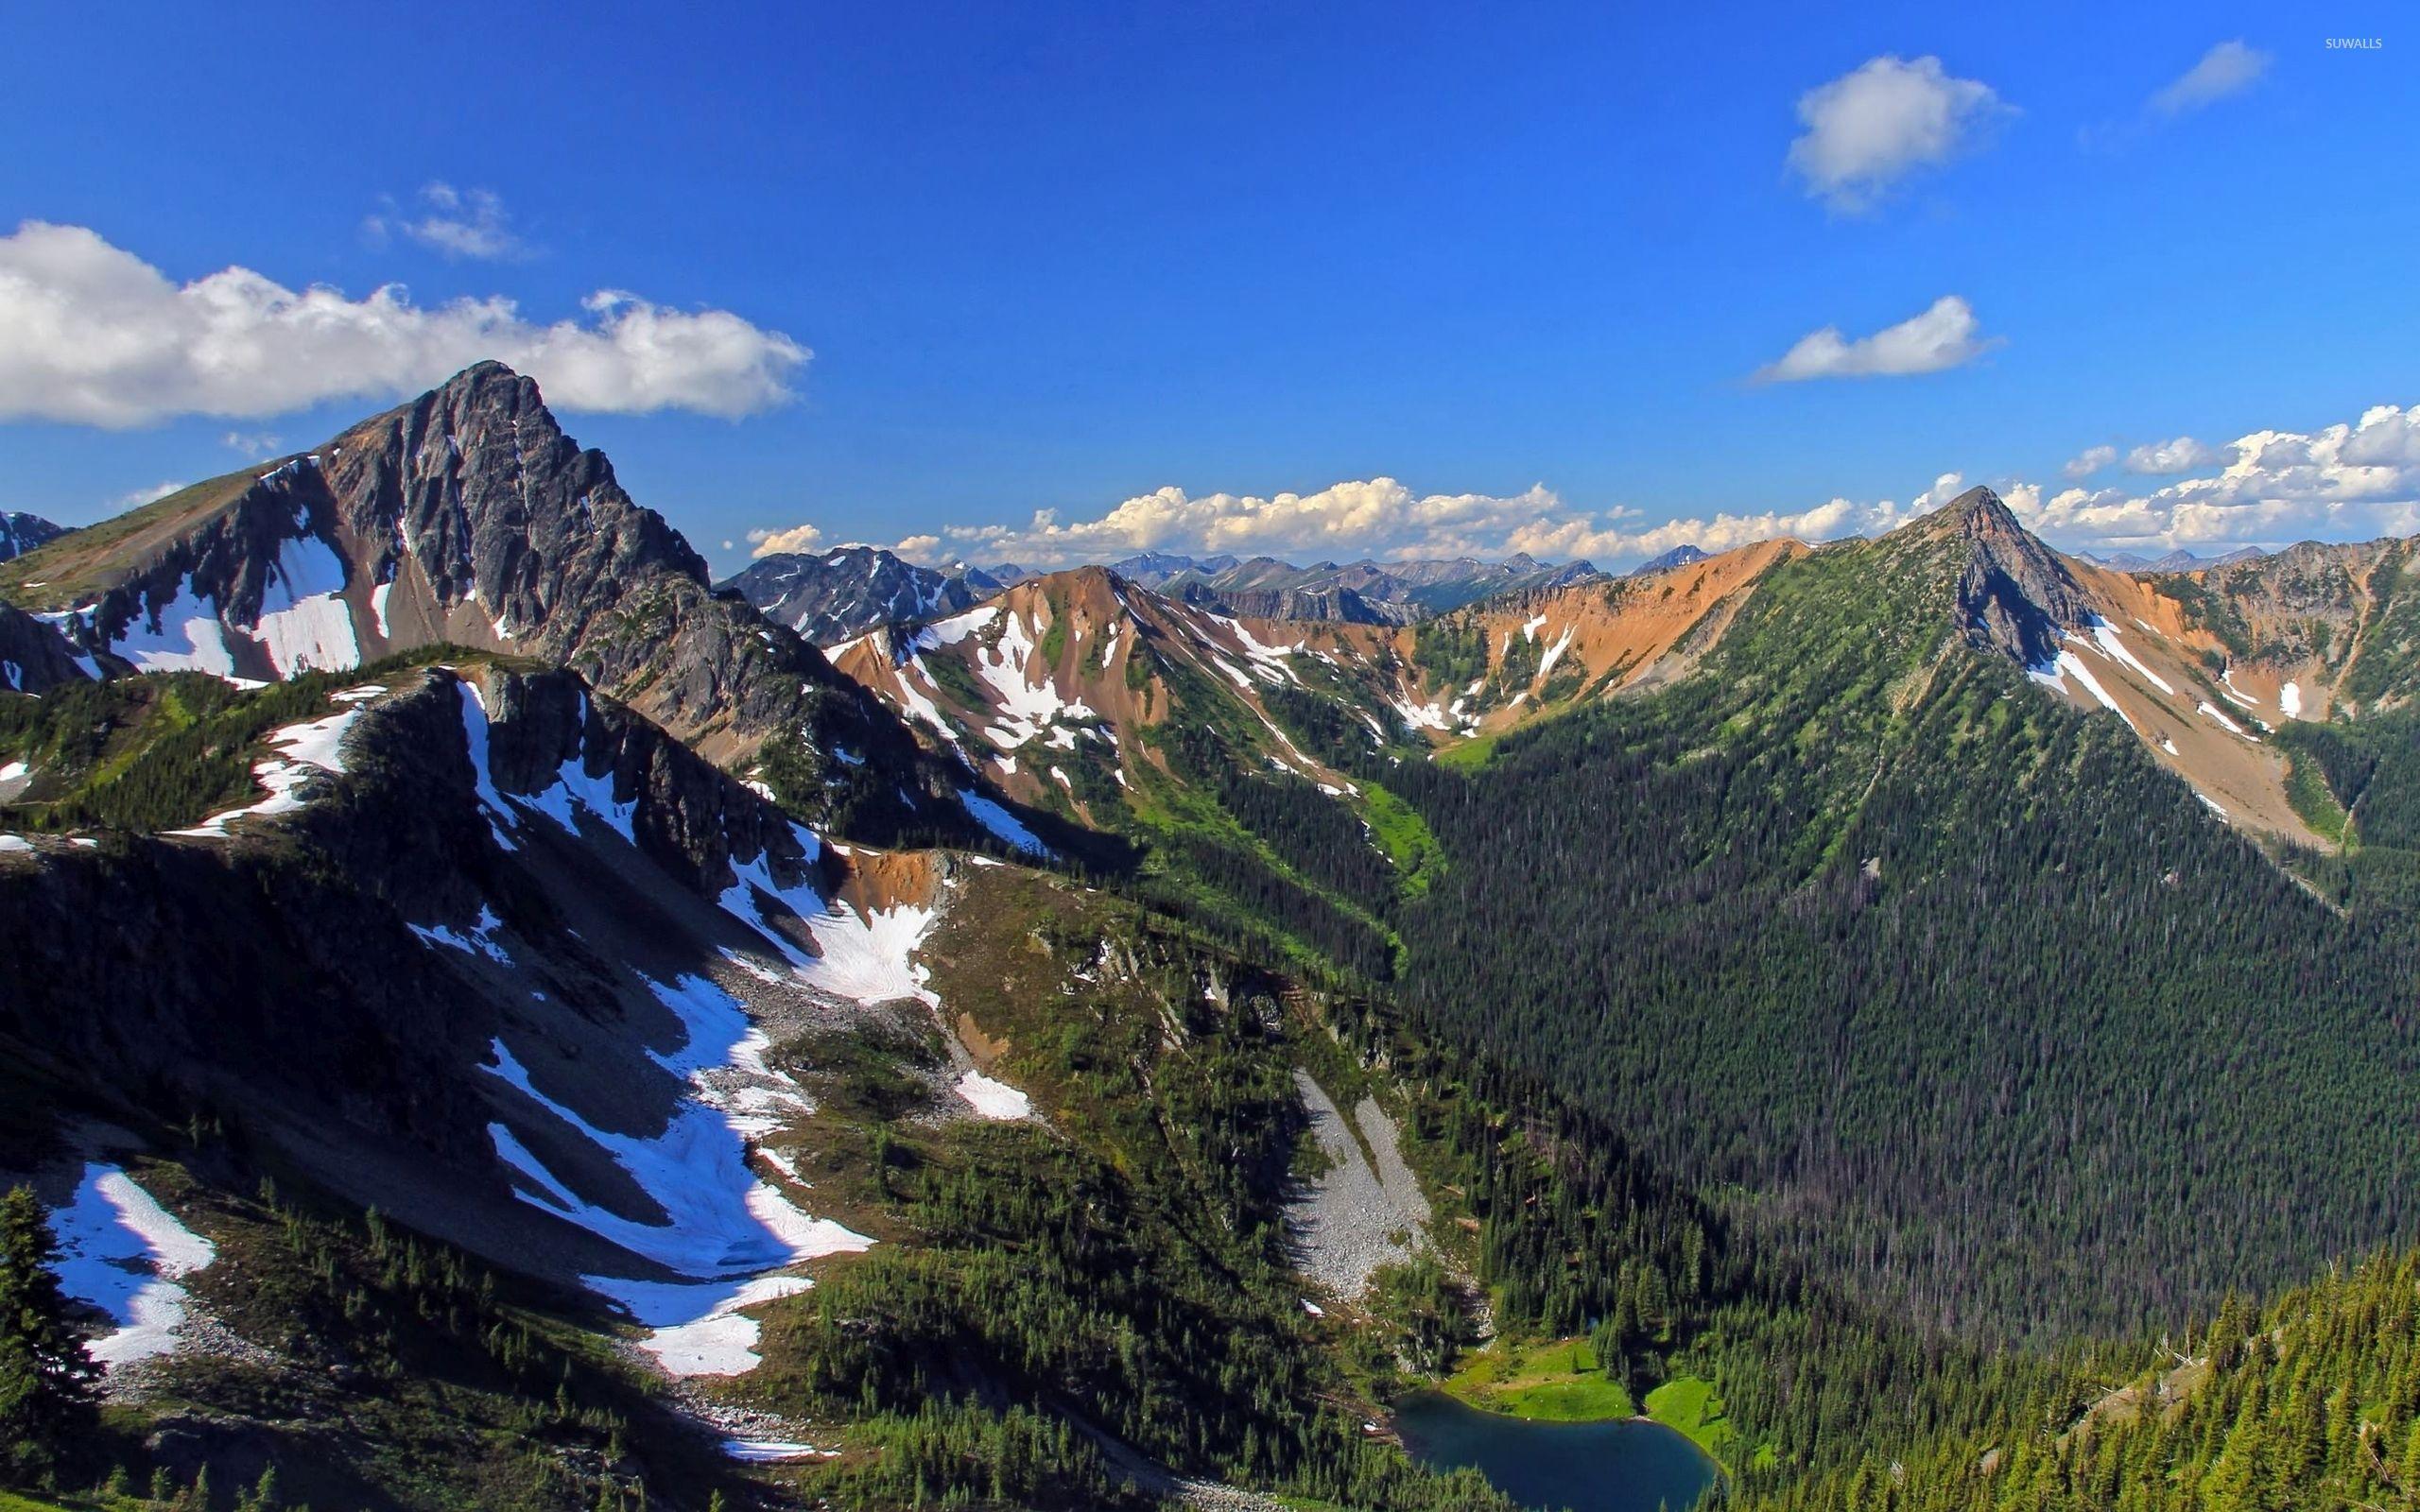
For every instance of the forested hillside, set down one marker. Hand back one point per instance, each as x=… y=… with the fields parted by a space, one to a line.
x=2314 y=1402
x=1979 y=1010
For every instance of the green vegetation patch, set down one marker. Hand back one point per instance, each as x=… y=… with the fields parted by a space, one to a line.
x=1689 y=1406
x=1559 y=1382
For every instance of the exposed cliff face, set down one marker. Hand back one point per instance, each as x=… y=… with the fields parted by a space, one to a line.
x=467 y=517
x=2014 y=595
x=33 y=655
x=21 y=533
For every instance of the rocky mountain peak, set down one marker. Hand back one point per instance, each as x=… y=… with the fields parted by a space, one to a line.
x=2014 y=593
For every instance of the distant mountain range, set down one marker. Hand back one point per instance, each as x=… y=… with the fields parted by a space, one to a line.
x=830 y=596
x=2175 y=562
x=1360 y=592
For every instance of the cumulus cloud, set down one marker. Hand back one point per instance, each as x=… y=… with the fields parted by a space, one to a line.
x=1883 y=120
x=460 y=223
x=2183 y=455
x=1374 y=514
x=764 y=543
x=2229 y=68
x=1942 y=336
x=1382 y=517
x=2090 y=460
x=251 y=443
x=919 y=548
x=90 y=334
x=2351 y=481
x=138 y=498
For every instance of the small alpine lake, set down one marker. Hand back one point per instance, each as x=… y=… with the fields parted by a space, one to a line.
x=1621 y=1465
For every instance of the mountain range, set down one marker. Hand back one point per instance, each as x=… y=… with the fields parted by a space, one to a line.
x=497 y=1019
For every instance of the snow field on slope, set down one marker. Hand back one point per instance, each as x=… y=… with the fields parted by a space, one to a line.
x=122 y=1253
x=729 y=1230
x=1003 y=824
x=308 y=749
x=991 y=1099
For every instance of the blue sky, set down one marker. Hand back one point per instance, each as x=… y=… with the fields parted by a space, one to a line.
x=1056 y=258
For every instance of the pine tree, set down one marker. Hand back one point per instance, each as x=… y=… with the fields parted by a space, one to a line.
x=46 y=1381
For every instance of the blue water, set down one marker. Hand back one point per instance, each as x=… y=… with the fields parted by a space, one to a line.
x=1623 y=1466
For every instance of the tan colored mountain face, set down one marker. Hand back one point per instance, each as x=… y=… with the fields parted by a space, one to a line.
x=1524 y=656
x=2136 y=657
x=1080 y=668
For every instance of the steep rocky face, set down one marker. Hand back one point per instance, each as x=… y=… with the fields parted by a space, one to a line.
x=33 y=655
x=21 y=533
x=831 y=598
x=2014 y=593
x=467 y=517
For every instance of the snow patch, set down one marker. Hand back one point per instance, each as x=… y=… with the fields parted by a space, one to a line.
x=122 y=1253
x=2054 y=672
x=2105 y=635
x=2224 y=723
x=1003 y=824
x=993 y=1099
x=307 y=750
x=303 y=621
x=1554 y=652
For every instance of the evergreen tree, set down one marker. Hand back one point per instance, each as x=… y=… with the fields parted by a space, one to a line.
x=46 y=1381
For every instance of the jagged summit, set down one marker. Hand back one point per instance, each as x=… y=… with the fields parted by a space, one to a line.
x=2014 y=593
x=468 y=517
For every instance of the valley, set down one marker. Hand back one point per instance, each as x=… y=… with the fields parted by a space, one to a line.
x=496 y=1019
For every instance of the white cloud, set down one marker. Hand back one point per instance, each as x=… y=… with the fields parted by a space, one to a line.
x=91 y=333
x=1874 y=124
x=1382 y=517
x=1376 y=514
x=2226 y=69
x=2183 y=455
x=2353 y=481
x=1942 y=336
x=2090 y=460
x=138 y=498
x=919 y=548
x=766 y=543
x=460 y=223
x=251 y=443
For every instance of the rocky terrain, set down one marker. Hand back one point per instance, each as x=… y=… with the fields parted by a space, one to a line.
x=837 y=594
x=468 y=518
